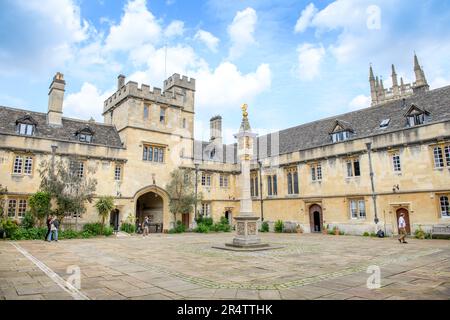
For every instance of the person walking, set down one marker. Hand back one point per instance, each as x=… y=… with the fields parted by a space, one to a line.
x=146 y=226
x=402 y=229
x=49 y=220
x=54 y=225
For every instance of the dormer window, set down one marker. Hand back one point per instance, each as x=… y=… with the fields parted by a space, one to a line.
x=26 y=125
x=85 y=135
x=416 y=116
x=340 y=131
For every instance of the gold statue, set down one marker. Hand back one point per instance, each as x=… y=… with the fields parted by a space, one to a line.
x=244 y=110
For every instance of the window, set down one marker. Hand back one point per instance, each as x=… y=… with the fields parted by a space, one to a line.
x=212 y=154
x=28 y=167
x=358 y=209
x=254 y=187
x=438 y=159
x=22 y=208
x=223 y=181
x=445 y=207
x=447 y=155
x=162 y=115
x=416 y=119
x=385 y=123
x=292 y=181
x=146 y=112
x=118 y=173
x=396 y=162
x=12 y=203
x=85 y=137
x=77 y=168
x=353 y=168
x=316 y=172
x=18 y=165
x=206 y=209
x=272 y=189
x=340 y=136
x=153 y=153
x=25 y=129
x=206 y=179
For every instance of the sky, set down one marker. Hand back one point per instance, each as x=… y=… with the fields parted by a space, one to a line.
x=291 y=61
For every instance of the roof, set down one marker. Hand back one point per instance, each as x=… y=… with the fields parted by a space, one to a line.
x=104 y=134
x=366 y=122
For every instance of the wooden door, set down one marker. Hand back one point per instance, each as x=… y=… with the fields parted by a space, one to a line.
x=186 y=221
x=406 y=217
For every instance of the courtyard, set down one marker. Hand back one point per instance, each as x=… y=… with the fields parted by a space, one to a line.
x=185 y=266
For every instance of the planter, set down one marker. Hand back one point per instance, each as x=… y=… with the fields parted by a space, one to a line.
x=325 y=231
x=336 y=231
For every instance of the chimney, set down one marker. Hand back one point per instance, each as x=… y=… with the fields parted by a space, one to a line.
x=120 y=81
x=55 y=100
x=216 y=129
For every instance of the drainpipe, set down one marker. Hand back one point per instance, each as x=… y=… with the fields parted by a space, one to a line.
x=196 y=188
x=260 y=191
x=374 y=196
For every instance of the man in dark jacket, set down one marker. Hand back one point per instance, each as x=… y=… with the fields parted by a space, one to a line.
x=49 y=219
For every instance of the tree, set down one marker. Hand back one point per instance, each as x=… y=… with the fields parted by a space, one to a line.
x=181 y=192
x=68 y=185
x=104 y=206
x=40 y=205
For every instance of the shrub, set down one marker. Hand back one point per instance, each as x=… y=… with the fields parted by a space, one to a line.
x=108 y=231
x=373 y=234
x=205 y=220
x=28 y=221
x=366 y=234
x=264 y=227
x=86 y=234
x=9 y=226
x=93 y=228
x=69 y=234
x=128 y=227
x=279 y=226
x=202 y=228
x=179 y=228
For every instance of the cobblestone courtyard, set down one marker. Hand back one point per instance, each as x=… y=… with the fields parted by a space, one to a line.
x=186 y=266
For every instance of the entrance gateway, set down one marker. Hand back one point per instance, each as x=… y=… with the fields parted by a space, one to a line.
x=316 y=218
x=406 y=217
x=153 y=202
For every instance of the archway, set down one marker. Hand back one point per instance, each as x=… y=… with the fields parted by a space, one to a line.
x=153 y=202
x=316 y=218
x=114 y=219
x=406 y=217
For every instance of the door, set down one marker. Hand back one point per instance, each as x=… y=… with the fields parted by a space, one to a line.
x=228 y=216
x=315 y=218
x=114 y=219
x=406 y=217
x=185 y=218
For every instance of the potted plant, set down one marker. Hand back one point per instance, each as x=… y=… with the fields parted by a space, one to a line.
x=325 y=229
x=336 y=231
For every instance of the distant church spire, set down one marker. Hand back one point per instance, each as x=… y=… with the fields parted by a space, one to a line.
x=421 y=83
x=395 y=88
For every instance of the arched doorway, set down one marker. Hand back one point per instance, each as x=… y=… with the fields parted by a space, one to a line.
x=228 y=216
x=150 y=205
x=406 y=217
x=114 y=219
x=316 y=218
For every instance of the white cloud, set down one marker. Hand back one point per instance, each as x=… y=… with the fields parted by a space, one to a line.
x=241 y=31
x=310 y=58
x=208 y=39
x=137 y=27
x=227 y=87
x=360 y=102
x=175 y=28
x=305 y=18
x=86 y=103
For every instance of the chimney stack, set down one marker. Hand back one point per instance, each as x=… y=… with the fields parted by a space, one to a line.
x=55 y=100
x=120 y=81
x=216 y=129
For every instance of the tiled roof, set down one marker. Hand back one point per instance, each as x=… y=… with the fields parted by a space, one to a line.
x=103 y=134
x=365 y=122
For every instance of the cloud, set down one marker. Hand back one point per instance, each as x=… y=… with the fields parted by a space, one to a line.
x=310 y=58
x=359 y=102
x=86 y=103
x=208 y=39
x=241 y=31
x=305 y=18
x=175 y=28
x=227 y=87
x=137 y=27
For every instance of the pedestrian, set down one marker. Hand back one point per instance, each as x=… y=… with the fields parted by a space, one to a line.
x=49 y=220
x=54 y=225
x=401 y=229
x=146 y=226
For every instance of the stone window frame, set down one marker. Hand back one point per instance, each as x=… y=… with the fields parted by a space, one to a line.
x=205 y=209
x=353 y=166
x=444 y=205
x=224 y=180
x=441 y=155
x=150 y=152
x=78 y=167
x=358 y=202
x=272 y=185
x=292 y=179
x=316 y=172
x=19 y=208
x=23 y=165
x=254 y=185
x=163 y=114
x=118 y=172
x=396 y=162
x=146 y=111
x=206 y=179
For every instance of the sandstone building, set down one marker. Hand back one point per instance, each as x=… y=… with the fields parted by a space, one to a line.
x=348 y=170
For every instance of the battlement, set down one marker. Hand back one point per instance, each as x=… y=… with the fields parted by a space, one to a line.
x=179 y=81
x=132 y=89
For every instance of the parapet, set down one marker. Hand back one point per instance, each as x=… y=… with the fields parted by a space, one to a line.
x=179 y=81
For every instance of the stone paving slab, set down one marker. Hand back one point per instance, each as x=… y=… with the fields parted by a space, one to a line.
x=185 y=266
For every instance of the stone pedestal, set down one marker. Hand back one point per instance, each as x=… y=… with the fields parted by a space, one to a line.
x=246 y=233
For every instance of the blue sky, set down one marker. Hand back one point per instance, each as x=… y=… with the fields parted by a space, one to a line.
x=291 y=61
